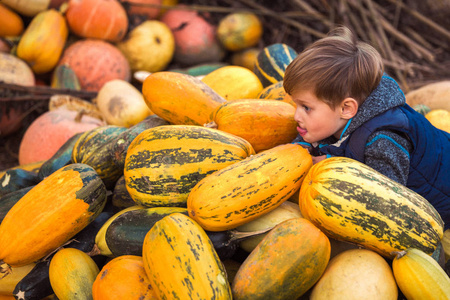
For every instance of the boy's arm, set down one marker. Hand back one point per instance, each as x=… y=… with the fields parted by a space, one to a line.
x=388 y=153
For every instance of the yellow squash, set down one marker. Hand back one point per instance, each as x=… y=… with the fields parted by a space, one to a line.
x=181 y=261
x=43 y=41
x=72 y=273
x=419 y=276
x=248 y=189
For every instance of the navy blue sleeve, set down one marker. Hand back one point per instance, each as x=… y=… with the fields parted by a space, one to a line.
x=388 y=153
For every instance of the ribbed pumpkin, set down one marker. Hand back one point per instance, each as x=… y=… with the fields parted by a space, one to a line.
x=263 y=123
x=272 y=62
x=234 y=82
x=419 y=276
x=181 y=262
x=238 y=31
x=121 y=278
x=43 y=41
x=34 y=226
x=356 y=274
x=350 y=201
x=287 y=263
x=97 y=19
x=96 y=62
x=11 y=24
x=248 y=189
x=149 y=46
x=72 y=273
x=164 y=163
x=179 y=98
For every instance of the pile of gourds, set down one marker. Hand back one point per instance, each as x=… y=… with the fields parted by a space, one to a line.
x=204 y=197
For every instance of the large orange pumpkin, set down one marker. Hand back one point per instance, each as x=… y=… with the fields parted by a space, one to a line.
x=96 y=62
x=50 y=131
x=101 y=19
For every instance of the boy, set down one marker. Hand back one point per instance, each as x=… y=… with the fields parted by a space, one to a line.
x=347 y=106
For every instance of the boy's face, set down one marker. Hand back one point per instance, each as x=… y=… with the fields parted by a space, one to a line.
x=316 y=120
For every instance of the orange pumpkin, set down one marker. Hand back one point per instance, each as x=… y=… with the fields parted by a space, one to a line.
x=123 y=277
x=96 y=62
x=50 y=131
x=195 y=38
x=11 y=24
x=101 y=19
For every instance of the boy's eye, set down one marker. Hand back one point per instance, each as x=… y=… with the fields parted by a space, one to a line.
x=306 y=108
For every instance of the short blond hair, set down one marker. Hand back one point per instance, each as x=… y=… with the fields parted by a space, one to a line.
x=336 y=67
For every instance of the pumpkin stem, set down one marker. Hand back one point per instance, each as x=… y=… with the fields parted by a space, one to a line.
x=95 y=251
x=242 y=235
x=5 y=269
x=211 y=124
x=399 y=254
x=80 y=115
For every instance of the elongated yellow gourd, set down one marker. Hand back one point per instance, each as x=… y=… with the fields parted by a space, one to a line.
x=72 y=273
x=50 y=214
x=43 y=41
x=245 y=190
x=419 y=276
x=352 y=202
x=181 y=262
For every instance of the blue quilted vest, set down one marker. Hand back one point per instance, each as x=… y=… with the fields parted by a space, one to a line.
x=429 y=172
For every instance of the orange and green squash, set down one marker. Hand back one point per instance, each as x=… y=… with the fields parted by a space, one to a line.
x=50 y=214
x=181 y=263
x=238 y=31
x=350 y=201
x=121 y=278
x=287 y=263
x=248 y=189
x=272 y=61
x=72 y=273
x=180 y=99
x=43 y=41
x=164 y=163
x=276 y=91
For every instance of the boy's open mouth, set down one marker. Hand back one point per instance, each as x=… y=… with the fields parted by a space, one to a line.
x=302 y=131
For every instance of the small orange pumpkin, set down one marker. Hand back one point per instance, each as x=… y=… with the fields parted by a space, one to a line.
x=238 y=31
x=96 y=62
x=123 y=277
x=101 y=19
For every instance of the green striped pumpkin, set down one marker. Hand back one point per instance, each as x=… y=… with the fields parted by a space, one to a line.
x=164 y=163
x=272 y=61
x=350 y=201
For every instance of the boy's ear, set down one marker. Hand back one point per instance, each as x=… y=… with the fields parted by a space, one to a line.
x=349 y=108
